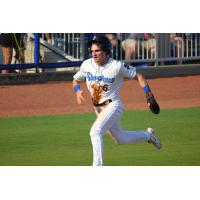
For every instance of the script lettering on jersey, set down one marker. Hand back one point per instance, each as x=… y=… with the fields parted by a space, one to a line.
x=102 y=78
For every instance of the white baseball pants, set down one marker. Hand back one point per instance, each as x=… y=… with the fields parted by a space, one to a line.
x=108 y=120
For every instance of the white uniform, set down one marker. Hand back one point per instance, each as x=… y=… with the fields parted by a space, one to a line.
x=104 y=83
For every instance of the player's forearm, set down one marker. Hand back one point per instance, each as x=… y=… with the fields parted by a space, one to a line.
x=141 y=80
x=75 y=85
x=78 y=91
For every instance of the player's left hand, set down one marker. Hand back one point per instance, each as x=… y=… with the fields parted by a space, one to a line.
x=153 y=105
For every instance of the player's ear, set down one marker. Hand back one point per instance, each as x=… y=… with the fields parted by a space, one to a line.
x=89 y=49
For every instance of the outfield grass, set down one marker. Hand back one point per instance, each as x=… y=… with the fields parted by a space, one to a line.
x=64 y=140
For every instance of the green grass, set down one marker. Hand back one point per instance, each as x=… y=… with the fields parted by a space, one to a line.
x=64 y=140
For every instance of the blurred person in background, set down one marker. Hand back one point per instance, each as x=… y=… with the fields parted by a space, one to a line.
x=177 y=43
x=8 y=42
x=7 y=49
x=48 y=37
x=134 y=43
x=117 y=51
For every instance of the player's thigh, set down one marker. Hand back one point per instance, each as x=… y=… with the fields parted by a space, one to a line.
x=108 y=116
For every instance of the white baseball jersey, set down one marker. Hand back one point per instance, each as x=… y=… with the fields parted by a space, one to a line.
x=104 y=82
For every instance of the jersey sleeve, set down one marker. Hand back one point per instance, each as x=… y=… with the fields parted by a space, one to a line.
x=127 y=71
x=81 y=74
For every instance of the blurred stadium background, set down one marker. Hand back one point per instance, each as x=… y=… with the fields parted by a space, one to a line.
x=64 y=52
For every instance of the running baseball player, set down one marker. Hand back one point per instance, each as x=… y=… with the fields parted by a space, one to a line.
x=104 y=77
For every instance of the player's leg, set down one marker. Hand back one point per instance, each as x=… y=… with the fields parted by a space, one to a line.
x=106 y=118
x=127 y=137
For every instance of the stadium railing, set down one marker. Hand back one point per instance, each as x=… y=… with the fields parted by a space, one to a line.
x=70 y=49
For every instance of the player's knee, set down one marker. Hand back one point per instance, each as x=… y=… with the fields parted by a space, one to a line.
x=95 y=131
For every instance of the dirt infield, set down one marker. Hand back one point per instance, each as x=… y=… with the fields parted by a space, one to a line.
x=58 y=98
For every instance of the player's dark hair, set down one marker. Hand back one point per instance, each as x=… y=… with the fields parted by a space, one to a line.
x=103 y=42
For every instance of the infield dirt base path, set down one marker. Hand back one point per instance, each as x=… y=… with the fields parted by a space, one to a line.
x=59 y=98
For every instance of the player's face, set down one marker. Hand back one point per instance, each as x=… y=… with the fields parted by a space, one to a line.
x=100 y=57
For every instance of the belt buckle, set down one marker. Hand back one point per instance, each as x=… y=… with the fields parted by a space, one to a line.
x=106 y=102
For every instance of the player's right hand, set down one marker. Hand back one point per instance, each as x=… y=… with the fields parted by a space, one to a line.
x=79 y=96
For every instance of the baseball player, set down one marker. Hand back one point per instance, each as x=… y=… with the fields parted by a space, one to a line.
x=104 y=77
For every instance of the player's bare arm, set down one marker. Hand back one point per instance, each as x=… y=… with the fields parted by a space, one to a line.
x=143 y=83
x=79 y=92
x=151 y=101
x=141 y=80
